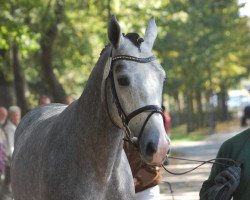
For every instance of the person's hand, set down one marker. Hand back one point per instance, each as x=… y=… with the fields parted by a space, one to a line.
x=228 y=180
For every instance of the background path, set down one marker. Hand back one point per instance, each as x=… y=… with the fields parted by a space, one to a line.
x=187 y=187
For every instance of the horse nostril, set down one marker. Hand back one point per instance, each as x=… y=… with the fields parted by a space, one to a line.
x=168 y=151
x=150 y=149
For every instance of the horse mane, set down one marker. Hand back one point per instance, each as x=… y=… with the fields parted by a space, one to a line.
x=103 y=50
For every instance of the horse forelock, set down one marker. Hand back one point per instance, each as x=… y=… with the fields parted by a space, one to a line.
x=134 y=38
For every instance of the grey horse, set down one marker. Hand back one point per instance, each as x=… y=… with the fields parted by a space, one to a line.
x=76 y=152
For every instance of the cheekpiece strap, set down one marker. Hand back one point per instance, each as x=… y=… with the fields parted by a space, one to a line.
x=132 y=58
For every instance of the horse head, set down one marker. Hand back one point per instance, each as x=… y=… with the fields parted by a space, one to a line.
x=134 y=95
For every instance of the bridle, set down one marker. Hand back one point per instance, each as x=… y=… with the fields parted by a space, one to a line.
x=123 y=116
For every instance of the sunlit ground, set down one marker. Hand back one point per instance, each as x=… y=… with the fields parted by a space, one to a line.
x=178 y=133
x=187 y=185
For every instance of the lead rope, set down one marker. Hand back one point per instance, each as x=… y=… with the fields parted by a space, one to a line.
x=203 y=162
x=170 y=188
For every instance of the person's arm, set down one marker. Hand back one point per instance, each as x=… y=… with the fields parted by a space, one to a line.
x=207 y=192
x=223 y=180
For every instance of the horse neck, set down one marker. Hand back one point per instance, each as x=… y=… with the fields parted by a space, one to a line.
x=91 y=101
x=98 y=128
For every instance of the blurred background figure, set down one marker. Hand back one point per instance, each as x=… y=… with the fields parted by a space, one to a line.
x=245 y=120
x=44 y=99
x=2 y=151
x=68 y=100
x=167 y=119
x=3 y=115
x=9 y=129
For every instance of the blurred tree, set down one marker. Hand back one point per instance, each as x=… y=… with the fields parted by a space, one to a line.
x=49 y=32
x=203 y=46
x=19 y=78
x=198 y=36
x=11 y=32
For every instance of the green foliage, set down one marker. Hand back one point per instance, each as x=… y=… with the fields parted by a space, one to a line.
x=205 y=38
x=204 y=48
x=201 y=44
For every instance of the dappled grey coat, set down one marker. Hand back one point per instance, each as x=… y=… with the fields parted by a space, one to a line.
x=71 y=153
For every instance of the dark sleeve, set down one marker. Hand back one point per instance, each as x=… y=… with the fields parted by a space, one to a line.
x=207 y=192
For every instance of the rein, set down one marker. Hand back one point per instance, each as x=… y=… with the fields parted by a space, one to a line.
x=203 y=162
x=123 y=116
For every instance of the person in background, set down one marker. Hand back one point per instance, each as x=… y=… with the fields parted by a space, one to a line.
x=233 y=179
x=246 y=117
x=3 y=115
x=68 y=100
x=3 y=159
x=167 y=119
x=3 y=144
x=44 y=99
x=9 y=129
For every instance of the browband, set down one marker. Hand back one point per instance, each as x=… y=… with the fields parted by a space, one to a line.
x=132 y=58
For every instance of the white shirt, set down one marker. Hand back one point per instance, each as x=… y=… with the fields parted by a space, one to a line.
x=152 y=193
x=9 y=130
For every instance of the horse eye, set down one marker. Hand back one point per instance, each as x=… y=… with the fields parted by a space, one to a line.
x=123 y=81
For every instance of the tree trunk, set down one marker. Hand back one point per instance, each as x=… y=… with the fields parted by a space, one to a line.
x=177 y=102
x=200 y=114
x=223 y=111
x=19 y=79
x=109 y=9
x=55 y=88
x=190 y=112
x=211 y=117
x=7 y=93
x=48 y=38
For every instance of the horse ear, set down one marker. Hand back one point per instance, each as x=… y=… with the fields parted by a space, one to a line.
x=114 y=32
x=150 y=33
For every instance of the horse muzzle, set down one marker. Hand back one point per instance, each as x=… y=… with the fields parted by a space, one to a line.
x=154 y=148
